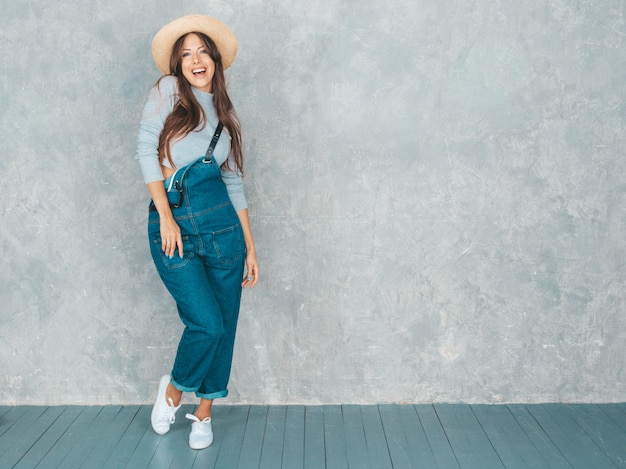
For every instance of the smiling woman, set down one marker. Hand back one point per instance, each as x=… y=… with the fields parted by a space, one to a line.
x=198 y=227
x=197 y=66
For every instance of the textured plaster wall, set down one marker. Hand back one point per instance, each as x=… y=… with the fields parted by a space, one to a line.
x=437 y=190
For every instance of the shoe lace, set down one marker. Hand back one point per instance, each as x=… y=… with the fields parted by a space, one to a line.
x=196 y=419
x=170 y=411
x=192 y=417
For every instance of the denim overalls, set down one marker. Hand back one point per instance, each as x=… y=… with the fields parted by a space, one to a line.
x=206 y=282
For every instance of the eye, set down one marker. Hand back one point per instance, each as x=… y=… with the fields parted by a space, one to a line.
x=186 y=54
x=204 y=51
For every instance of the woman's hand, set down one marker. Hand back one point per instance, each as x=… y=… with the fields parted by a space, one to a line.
x=252 y=275
x=171 y=238
x=252 y=267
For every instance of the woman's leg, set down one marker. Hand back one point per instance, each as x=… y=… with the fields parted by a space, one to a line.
x=199 y=311
x=173 y=393
x=227 y=292
x=204 y=409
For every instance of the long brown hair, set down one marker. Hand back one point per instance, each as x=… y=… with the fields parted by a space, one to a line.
x=188 y=115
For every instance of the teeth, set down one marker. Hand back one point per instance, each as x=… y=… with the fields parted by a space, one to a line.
x=200 y=70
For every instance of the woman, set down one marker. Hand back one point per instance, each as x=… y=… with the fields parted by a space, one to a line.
x=190 y=153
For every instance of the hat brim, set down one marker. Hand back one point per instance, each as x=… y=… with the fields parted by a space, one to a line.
x=221 y=34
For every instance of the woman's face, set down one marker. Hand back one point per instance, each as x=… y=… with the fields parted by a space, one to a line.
x=196 y=63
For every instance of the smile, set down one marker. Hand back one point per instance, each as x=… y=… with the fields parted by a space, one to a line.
x=198 y=71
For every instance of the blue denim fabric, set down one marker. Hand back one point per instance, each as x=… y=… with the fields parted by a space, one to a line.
x=206 y=282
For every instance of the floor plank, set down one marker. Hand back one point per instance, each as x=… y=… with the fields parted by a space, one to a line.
x=377 y=448
x=507 y=437
x=110 y=436
x=438 y=441
x=469 y=442
x=356 y=442
x=616 y=413
x=4 y=409
x=335 y=440
x=252 y=444
x=91 y=435
x=293 y=449
x=402 y=451
x=573 y=443
x=145 y=449
x=46 y=442
x=16 y=422
x=129 y=440
x=33 y=434
x=274 y=438
x=314 y=437
x=29 y=432
x=418 y=450
x=601 y=429
x=538 y=437
x=68 y=440
x=314 y=449
x=232 y=433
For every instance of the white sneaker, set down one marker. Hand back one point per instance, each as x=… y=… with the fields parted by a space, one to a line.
x=201 y=435
x=163 y=413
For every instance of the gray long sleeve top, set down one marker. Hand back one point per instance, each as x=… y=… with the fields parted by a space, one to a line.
x=158 y=106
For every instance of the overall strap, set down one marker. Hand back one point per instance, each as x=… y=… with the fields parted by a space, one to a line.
x=207 y=158
x=216 y=137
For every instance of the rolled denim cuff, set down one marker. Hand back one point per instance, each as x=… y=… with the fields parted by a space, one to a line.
x=213 y=395
x=209 y=397
x=180 y=387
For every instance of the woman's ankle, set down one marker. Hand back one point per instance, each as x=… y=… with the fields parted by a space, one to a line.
x=202 y=415
x=203 y=410
x=172 y=393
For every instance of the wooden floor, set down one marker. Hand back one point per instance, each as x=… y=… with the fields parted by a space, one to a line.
x=334 y=437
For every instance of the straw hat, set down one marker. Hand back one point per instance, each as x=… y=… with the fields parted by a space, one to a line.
x=164 y=40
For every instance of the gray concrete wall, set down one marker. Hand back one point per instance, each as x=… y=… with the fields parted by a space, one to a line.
x=436 y=188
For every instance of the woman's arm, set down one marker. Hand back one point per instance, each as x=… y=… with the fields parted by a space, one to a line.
x=252 y=276
x=170 y=231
